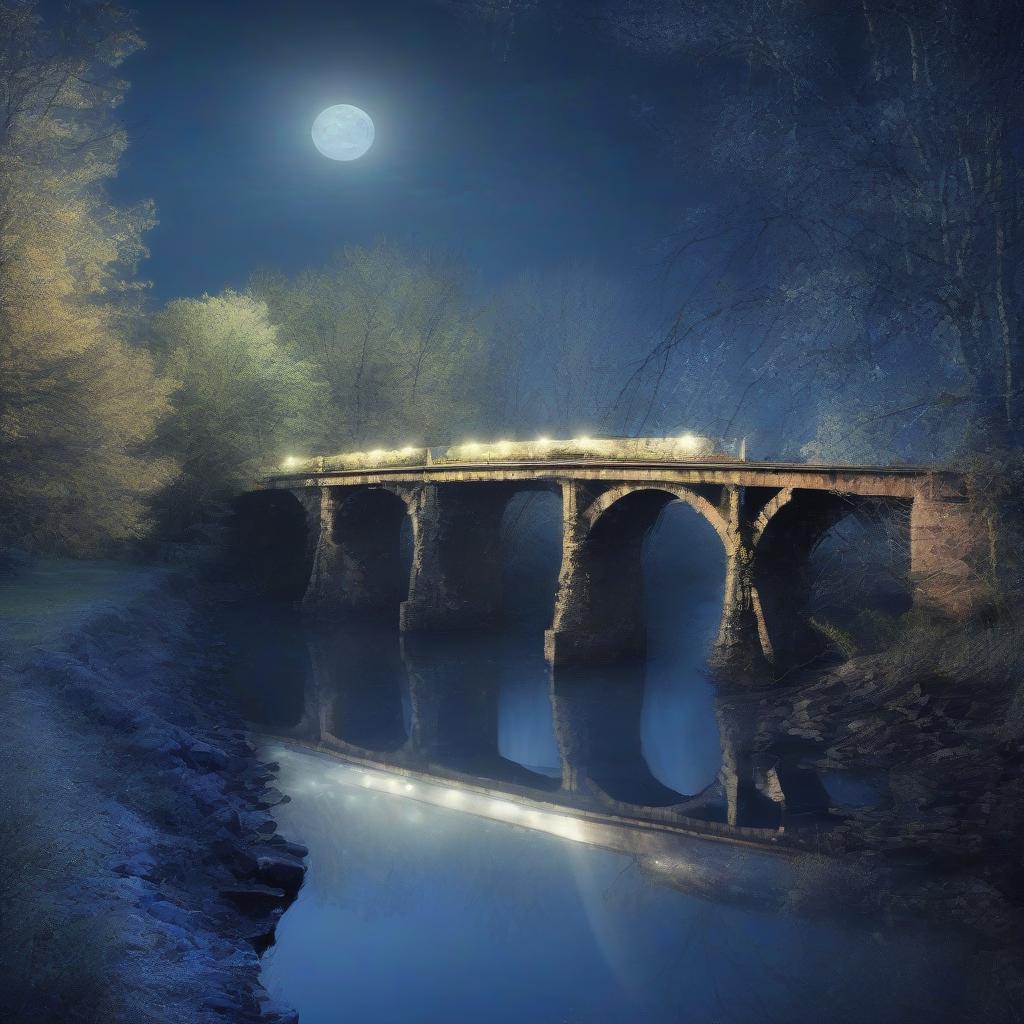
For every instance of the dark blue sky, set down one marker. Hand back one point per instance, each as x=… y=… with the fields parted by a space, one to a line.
x=518 y=160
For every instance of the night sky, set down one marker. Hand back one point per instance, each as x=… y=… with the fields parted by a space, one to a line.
x=513 y=153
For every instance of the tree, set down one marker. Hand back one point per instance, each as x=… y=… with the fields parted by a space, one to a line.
x=77 y=404
x=242 y=401
x=558 y=342
x=395 y=338
x=866 y=258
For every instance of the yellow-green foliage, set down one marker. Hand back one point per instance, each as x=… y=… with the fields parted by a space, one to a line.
x=394 y=339
x=240 y=397
x=76 y=401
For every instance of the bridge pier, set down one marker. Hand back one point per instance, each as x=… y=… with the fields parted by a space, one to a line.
x=357 y=564
x=456 y=570
x=598 y=614
x=950 y=557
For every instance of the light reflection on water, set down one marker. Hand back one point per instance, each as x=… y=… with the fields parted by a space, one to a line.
x=418 y=913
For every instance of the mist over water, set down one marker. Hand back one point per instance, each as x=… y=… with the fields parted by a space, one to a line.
x=419 y=913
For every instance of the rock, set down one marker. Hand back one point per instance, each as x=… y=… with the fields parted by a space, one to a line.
x=230 y=819
x=204 y=756
x=255 y=897
x=271 y=797
x=280 y=870
x=142 y=865
x=239 y=860
x=295 y=849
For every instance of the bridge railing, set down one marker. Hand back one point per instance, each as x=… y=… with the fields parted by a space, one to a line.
x=684 y=448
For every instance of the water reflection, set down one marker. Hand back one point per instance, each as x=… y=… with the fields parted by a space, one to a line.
x=454 y=686
x=486 y=705
x=526 y=731
x=684 y=573
x=417 y=913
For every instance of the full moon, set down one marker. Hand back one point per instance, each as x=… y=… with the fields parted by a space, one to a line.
x=343 y=132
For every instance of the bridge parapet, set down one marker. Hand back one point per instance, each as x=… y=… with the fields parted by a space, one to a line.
x=685 y=448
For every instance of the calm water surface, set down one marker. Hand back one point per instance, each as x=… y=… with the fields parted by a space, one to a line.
x=413 y=913
x=421 y=914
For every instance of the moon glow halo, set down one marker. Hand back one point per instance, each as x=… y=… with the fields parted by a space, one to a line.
x=343 y=132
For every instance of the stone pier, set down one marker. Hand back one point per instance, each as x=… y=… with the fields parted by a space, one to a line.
x=456 y=570
x=356 y=563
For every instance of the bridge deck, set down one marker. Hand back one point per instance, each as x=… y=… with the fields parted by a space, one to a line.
x=878 y=481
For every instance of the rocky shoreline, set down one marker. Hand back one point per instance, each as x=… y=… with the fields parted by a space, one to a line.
x=154 y=813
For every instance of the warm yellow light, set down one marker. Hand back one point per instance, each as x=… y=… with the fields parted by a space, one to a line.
x=504 y=808
x=543 y=440
x=688 y=441
x=408 y=450
x=292 y=460
x=471 y=445
x=376 y=453
x=584 y=440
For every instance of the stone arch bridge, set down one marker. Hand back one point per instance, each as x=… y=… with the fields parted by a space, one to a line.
x=767 y=516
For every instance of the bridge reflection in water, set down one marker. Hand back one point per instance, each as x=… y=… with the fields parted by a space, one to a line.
x=448 y=710
x=574 y=886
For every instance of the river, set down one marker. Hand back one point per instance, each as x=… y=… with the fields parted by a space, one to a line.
x=418 y=912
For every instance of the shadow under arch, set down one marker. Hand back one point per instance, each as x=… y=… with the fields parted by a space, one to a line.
x=684 y=587
x=602 y=600
x=531 y=558
x=453 y=690
x=371 y=563
x=790 y=531
x=268 y=545
x=358 y=686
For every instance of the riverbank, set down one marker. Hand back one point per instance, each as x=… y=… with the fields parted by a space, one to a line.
x=140 y=871
x=922 y=747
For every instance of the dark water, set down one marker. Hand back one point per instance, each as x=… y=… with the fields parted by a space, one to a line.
x=413 y=913
x=419 y=913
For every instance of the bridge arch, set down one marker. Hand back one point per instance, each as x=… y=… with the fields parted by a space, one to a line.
x=359 y=564
x=599 y=613
x=786 y=537
x=270 y=542
x=667 y=492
